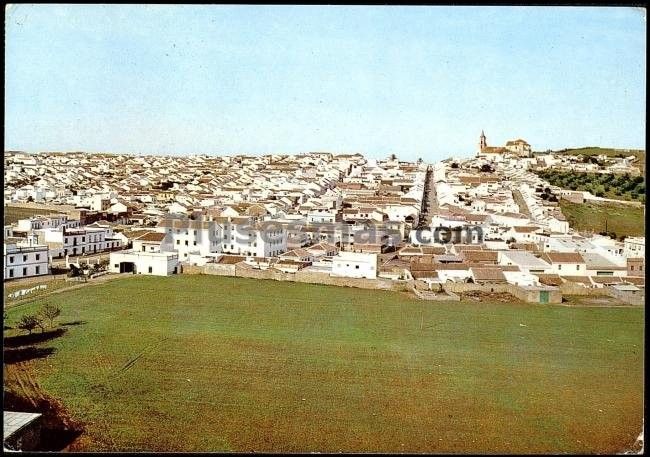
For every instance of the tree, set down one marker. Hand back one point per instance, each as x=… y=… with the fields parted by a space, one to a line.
x=50 y=312
x=29 y=323
x=485 y=168
x=74 y=271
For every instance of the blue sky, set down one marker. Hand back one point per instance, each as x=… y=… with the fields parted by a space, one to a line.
x=414 y=81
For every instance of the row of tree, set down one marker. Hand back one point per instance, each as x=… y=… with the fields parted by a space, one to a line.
x=600 y=184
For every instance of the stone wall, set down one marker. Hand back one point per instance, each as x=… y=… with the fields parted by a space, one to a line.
x=304 y=276
x=448 y=291
x=631 y=298
x=313 y=277
x=464 y=287
x=572 y=288
x=527 y=295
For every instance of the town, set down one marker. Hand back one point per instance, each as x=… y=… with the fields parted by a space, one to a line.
x=487 y=224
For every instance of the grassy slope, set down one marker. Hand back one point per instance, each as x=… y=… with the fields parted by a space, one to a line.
x=621 y=219
x=13 y=214
x=210 y=363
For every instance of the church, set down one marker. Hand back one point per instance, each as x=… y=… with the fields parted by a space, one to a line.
x=517 y=147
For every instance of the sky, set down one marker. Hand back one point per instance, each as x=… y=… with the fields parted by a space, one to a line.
x=419 y=82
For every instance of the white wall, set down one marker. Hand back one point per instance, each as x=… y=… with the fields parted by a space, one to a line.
x=355 y=265
x=25 y=262
x=161 y=264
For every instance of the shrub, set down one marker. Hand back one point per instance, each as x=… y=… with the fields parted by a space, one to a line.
x=29 y=323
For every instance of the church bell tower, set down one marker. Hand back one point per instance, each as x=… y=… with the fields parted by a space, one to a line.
x=483 y=142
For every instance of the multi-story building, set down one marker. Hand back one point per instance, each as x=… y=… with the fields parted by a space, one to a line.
x=24 y=259
x=64 y=241
x=46 y=222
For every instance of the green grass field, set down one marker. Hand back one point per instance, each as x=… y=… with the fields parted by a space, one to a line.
x=621 y=219
x=205 y=363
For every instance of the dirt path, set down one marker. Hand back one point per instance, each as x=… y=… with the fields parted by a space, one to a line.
x=74 y=285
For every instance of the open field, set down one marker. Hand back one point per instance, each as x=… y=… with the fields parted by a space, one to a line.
x=13 y=214
x=621 y=219
x=206 y=363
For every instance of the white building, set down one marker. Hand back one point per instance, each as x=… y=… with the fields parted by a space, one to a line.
x=634 y=246
x=232 y=235
x=45 y=222
x=186 y=236
x=22 y=261
x=144 y=263
x=245 y=236
x=77 y=241
x=354 y=265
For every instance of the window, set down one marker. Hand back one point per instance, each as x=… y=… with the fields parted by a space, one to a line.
x=150 y=269
x=195 y=243
x=25 y=271
x=83 y=239
x=117 y=265
x=356 y=266
x=577 y=267
x=186 y=243
x=195 y=232
x=178 y=241
x=11 y=272
x=632 y=268
x=38 y=269
x=559 y=267
x=24 y=258
x=11 y=259
x=38 y=257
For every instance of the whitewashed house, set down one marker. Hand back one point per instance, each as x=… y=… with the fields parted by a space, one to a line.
x=354 y=265
x=634 y=247
x=24 y=259
x=566 y=263
x=144 y=263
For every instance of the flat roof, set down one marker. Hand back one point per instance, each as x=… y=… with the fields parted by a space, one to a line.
x=14 y=421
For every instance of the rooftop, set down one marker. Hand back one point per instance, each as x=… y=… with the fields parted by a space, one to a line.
x=14 y=421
